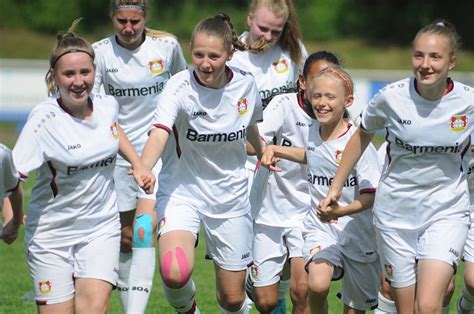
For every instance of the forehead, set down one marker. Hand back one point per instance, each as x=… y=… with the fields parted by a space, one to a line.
x=203 y=40
x=317 y=66
x=429 y=42
x=327 y=81
x=129 y=13
x=264 y=17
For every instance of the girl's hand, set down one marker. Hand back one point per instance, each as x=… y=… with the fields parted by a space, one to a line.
x=144 y=177
x=269 y=160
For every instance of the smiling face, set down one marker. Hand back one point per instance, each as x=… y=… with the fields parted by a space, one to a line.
x=305 y=82
x=74 y=76
x=329 y=99
x=432 y=59
x=129 y=25
x=263 y=23
x=209 y=56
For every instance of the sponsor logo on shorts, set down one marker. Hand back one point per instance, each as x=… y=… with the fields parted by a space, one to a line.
x=388 y=269
x=458 y=123
x=245 y=255
x=242 y=106
x=315 y=250
x=254 y=271
x=156 y=66
x=280 y=66
x=114 y=130
x=370 y=300
x=454 y=252
x=44 y=286
x=338 y=156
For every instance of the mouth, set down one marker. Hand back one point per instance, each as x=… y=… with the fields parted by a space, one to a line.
x=78 y=91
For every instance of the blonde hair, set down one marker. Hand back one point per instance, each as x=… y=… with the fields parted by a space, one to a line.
x=66 y=42
x=141 y=5
x=291 y=36
x=444 y=28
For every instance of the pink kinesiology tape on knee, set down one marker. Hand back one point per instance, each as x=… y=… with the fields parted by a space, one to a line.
x=166 y=266
x=183 y=266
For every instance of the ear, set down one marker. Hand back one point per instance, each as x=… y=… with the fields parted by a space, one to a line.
x=349 y=101
x=301 y=82
x=452 y=62
x=249 y=19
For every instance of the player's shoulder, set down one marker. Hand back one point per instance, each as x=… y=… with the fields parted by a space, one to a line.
x=103 y=44
x=398 y=87
x=463 y=90
x=241 y=75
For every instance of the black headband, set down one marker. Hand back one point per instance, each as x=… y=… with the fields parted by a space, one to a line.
x=53 y=64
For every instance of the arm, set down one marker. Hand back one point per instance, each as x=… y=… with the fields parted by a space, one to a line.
x=354 y=149
x=142 y=175
x=13 y=214
x=334 y=210
x=154 y=147
x=253 y=137
x=273 y=152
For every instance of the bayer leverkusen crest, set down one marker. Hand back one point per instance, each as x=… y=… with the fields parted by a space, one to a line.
x=242 y=106
x=458 y=123
x=156 y=66
x=44 y=286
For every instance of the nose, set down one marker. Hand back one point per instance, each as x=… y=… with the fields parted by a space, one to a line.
x=128 y=28
x=268 y=36
x=425 y=63
x=78 y=80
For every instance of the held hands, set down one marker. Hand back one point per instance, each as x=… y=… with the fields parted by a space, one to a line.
x=331 y=212
x=269 y=160
x=144 y=177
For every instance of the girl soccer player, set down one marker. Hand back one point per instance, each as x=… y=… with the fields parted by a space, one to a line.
x=211 y=110
x=421 y=209
x=73 y=229
x=279 y=221
x=339 y=243
x=133 y=66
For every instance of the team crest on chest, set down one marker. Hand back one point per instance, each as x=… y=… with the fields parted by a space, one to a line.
x=114 y=130
x=458 y=123
x=242 y=106
x=281 y=66
x=338 y=156
x=44 y=286
x=156 y=66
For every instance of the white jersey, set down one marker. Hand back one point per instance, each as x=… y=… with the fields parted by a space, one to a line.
x=210 y=132
x=274 y=71
x=286 y=123
x=427 y=155
x=74 y=195
x=135 y=78
x=355 y=233
x=9 y=177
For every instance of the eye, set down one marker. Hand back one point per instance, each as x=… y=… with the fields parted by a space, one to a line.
x=134 y=22
x=122 y=21
x=264 y=29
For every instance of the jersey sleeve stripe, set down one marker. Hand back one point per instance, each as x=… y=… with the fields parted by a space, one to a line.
x=162 y=126
x=176 y=137
x=367 y=191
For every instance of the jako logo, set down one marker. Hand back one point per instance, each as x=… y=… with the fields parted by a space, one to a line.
x=404 y=122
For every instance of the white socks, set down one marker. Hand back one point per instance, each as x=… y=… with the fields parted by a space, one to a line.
x=181 y=299
x=125 y=262
x=141 y=279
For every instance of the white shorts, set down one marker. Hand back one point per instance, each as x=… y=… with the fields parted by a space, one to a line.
x=126 y=189
x=229 y=240
x=469 y=246
x=360 y=280
x=399 y=250
x=53 y=270
x=272 y=247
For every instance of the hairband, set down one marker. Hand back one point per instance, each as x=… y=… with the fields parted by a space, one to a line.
x=342 y=77
x=53 y=64
x=440 y=24
x=129 y=6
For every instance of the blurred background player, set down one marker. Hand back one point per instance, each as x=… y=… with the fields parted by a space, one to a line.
x=11 y=196
x=133 y=66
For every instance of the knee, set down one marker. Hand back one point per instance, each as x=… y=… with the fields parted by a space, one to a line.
x=318 y=287
x=264 y=302
x=299 y=290
x=143 y=231
x=175 y=274
x=231 y=302
x=93 y=305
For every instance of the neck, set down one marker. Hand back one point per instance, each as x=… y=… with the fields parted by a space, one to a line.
x=83 y=112
x=331 y=131
x=433 y=92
